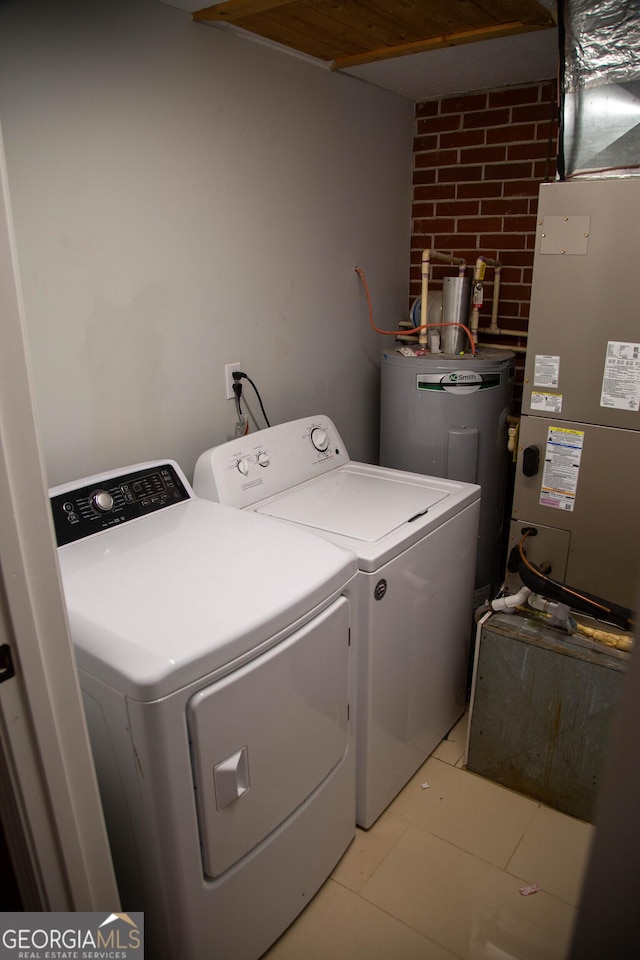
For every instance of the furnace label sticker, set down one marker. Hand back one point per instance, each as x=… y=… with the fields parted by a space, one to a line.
x=561 y=468
x=548 y=402
x=546 y=371
x=621 y=377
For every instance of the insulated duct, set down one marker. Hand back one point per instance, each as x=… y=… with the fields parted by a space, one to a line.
x=600 y=66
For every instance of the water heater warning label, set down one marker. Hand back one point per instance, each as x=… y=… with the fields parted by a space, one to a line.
x=561 y=468
x=621 y=378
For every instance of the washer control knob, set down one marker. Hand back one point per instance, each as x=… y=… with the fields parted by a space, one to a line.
x=243 y=466
x=263 y=459
x=102 y=501
x=320 y=439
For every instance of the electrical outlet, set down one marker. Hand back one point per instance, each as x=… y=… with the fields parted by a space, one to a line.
x=228 y=378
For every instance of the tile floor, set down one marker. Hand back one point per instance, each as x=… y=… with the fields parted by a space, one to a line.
x=438 y=876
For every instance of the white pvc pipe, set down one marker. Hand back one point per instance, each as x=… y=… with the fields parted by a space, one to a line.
x=508 y=604
x=427 y=257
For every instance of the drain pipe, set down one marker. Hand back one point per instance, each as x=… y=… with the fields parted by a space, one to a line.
x=427 y=257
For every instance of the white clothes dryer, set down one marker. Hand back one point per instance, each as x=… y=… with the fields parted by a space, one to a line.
x=214 y=657
x=416 y=540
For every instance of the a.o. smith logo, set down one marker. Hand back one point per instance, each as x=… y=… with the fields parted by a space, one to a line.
x=71 y=936
x=457 y=381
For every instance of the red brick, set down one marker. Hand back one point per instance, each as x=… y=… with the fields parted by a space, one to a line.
x=520 y=188
x=435 y=191
x=512 y=134
x=503 y=241
x=511 y=274
x=479 y=224
x=486 y=118
x=479 y=190
x=436 y=158
x=427 y=108
x=505 y=207
x=422 y=210
x=510 y=291
x=425 y=143
x=519 y=224
x=422 y=177
x=483 y=154
x=545 y=169
x=462 y=138
x=522 y=258
x=508 y=171
x=433 y=224
x=535 y=111
x=458 y=208
x=453 y=241
x=528 y=151
x=507 y=311
x=457 y=174
x=439 y=124
x=514 y=95
x=461 y=104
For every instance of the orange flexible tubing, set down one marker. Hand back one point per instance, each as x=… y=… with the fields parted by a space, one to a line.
x=406 y=333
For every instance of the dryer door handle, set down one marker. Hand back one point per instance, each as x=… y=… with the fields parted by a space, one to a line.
x=231 y=778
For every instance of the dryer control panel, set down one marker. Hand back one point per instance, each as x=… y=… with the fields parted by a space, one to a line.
x=264 y=464
x=88 y=506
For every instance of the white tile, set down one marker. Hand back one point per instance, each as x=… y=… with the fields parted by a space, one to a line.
x=553 y=853
x=367 y=850
x=469 y=811
x=339 y=925
x=467 y=905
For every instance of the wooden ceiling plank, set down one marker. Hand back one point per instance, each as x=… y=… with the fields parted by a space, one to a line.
x=316 y=39
x=437 y=17
x=234 y=9
x=529 y=12
x=372 y=26
x=393 y=19
x=434 y=43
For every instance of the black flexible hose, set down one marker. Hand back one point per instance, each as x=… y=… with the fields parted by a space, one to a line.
x=578 y=600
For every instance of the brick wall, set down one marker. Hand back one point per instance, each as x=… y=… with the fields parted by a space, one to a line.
x=478 y=161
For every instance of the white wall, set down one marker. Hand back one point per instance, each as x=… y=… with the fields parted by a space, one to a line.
x=184 y=197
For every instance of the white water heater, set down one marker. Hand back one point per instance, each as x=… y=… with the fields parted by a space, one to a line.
x=445 y=416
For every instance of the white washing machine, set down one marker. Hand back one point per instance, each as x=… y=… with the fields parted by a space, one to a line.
x=416 y=540
x=214 y=657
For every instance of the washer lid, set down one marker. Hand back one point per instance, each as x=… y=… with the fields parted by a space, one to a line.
x=363 y=506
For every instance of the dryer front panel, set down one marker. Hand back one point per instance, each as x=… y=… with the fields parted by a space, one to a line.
x=265 y=737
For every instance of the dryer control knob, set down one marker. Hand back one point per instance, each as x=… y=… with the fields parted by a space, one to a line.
x=263 y=459
x=320 y=439
x=243 y=466
x=102 y=501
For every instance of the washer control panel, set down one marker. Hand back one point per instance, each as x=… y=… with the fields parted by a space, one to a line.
x=87 y=506
x=264 y=464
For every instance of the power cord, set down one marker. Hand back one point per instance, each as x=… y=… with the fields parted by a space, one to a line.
x=237 y=389
x=239 y=375
x=242 y=423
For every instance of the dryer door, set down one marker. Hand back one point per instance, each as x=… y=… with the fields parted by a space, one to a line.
x=265 y=737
